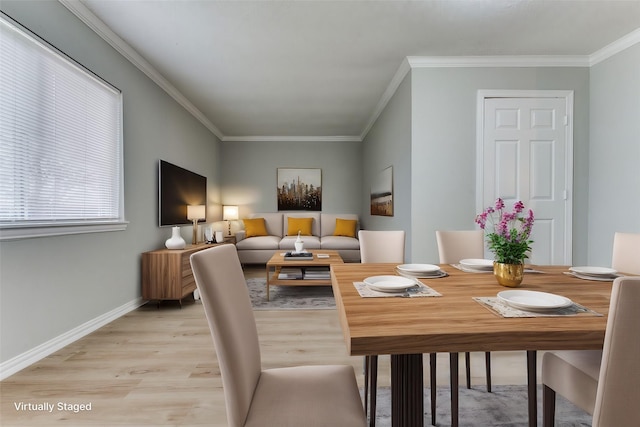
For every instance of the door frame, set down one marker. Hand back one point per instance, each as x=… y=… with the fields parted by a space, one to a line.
x=567 y=95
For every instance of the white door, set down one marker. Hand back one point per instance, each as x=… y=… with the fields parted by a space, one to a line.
x=527 y=155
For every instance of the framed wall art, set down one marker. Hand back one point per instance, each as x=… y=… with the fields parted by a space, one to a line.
x=299 y=189
x=382 y=193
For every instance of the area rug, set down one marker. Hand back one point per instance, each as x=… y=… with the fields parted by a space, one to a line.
x=290 y=297
x=505 y=406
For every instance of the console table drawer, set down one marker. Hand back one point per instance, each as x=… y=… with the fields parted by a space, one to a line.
x=167 y=274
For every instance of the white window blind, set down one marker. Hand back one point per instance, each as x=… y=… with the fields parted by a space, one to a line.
x=61 y=139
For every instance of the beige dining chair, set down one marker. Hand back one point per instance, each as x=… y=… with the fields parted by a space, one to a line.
x=626 y=253
x=293 y=396
x=377 y=246
x=454 y=246
x=381 y=246
x=605 y=383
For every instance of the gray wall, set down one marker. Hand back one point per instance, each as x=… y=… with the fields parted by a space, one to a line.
x=443 y=165
x=614 y=155
x=388 y=143
x=249 y=173
x=428 y=133
x=49 y=286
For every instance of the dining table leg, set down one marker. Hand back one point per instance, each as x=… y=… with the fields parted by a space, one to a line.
x=432 y=386
x=407 y=403
x=454 y=379
x=373 y=388
x=532 y=385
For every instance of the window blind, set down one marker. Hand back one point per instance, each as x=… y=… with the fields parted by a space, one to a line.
x=61 y=137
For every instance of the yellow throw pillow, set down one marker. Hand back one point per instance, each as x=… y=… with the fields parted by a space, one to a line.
x=303 y=225
x=255 y=227
x=345 y=227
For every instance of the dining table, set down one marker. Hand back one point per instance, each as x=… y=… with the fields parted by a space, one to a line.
x=456 y=319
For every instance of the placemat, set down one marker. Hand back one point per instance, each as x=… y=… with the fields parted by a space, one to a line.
x=496 y=306
x=420 y=290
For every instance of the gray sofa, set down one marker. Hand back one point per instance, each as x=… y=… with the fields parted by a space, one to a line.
x=258 y=249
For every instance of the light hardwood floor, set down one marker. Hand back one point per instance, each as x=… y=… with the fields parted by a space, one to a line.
x=157 y=366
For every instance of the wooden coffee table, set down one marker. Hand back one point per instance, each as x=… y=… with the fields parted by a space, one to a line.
x=277 y=262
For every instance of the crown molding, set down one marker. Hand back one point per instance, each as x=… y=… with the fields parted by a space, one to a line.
x=615 y=47
x=100 y=28
x=270 y=138
x=393 y=85
x=411 y=62
x=499 y=61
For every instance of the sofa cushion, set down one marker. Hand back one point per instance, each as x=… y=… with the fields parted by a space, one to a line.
x=328 y=223
x=315 y=224
x=339 y=242
x=310 y=242
x=254 y=227
x=273 y=222
x=345 y=227
x=302 y=225
x=259 y=242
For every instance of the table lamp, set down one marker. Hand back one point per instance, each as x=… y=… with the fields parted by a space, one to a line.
x=195 y=213
x=229 y=213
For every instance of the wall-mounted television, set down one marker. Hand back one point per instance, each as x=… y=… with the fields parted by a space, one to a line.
x=177 y=188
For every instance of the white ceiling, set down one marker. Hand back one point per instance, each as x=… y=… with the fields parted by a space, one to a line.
x=322 y=70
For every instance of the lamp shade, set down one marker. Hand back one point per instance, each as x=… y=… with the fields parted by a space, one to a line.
x=229 y=213
x=195 y=212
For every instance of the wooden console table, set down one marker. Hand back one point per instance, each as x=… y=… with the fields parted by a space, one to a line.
x=167 y=275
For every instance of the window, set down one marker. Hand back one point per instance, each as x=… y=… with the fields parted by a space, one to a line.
x=60 y=142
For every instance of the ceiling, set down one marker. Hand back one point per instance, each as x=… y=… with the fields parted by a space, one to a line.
x=323 y=70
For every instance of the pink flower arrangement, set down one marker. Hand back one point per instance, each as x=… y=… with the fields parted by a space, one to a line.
x=509 y=240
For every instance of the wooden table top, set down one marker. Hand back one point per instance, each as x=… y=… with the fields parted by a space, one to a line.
x=334 y=258
x=455 y=322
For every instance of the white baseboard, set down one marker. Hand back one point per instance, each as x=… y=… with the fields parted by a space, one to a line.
x=30 y=357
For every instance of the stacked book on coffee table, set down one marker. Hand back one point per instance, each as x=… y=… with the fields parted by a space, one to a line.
x=298 y=256
x=290 y=273
x=318 y=273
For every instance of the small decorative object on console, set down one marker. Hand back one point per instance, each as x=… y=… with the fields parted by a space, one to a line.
x=208 y=235
x=175 y=241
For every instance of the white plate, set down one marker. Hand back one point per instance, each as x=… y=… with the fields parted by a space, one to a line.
x=435 y=275
x=477 y=264
x=588 y=277
x=534 y=300
x=594 y=271
x=419 y=268
x=389 y=283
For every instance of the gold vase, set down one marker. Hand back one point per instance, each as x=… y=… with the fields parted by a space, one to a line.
x=509 y=275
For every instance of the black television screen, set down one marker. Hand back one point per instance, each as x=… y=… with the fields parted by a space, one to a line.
x=178 y=188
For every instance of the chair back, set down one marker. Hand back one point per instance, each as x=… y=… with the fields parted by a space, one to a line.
x=626 y=253
x=459 y=244
x=381 y=246
x=618 y=390
x=227 y=306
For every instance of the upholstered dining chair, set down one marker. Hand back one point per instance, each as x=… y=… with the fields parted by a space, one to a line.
x=293 y=396
x=453 y=246
x=385 y=246
x=626 y=253
x=605 y=383
x=381 y=246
